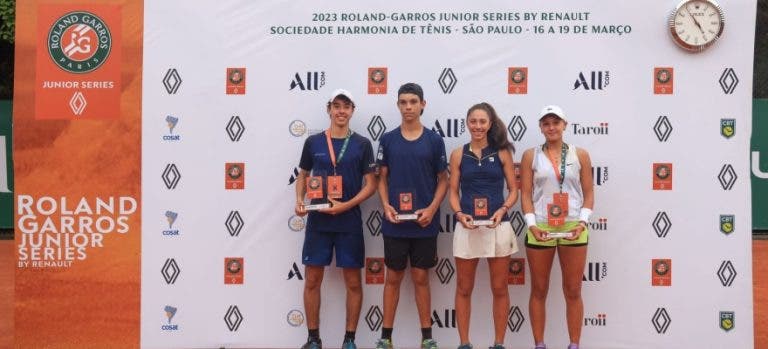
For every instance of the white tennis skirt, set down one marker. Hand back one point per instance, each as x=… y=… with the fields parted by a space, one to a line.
x=484 y=242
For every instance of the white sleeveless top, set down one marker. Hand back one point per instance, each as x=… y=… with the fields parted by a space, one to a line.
x=545 y=183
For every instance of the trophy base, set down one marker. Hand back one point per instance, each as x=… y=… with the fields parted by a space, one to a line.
x=482 y=222
x=559 y=234
x=316 y=207
x=407 y=217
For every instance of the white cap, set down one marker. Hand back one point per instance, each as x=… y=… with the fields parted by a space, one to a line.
x=341 y=92
x=552 y=110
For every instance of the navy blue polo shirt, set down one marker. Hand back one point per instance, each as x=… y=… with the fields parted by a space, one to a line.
x=413 y=168
x=481 y=177
x=353 y=166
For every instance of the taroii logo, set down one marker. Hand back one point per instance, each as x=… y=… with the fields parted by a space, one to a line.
x=444 y=319
x=585 y=130
x=171 y=121
x=79 y=42
x=171 y=216
x=448 y=223
x=600 y=225
x=727 y=127
x=599 y=320
x=170 y=312
x=727 y=223
x=600 y=174
x=453 y=128
x=312 y=81
x=295 y=273
x=727 y=320
x=595 y=271
x=595 y=80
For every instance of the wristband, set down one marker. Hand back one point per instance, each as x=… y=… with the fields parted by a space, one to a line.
x=530 y=219
x=584 y=214
x=505 y=207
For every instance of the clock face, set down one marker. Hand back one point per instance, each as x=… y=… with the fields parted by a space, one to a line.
x=696 y=24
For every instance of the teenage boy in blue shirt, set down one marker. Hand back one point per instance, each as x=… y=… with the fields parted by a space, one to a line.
x=340 y=159
x=412 y=180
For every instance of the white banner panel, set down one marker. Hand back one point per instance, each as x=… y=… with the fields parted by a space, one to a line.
x=600 y=61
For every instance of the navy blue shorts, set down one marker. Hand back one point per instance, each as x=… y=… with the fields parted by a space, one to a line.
x=318 y=249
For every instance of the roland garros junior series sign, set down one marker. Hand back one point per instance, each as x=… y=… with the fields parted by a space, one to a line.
x=78 y=62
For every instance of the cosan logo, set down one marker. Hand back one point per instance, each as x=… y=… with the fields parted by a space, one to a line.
x=594 y=80
x=587 y=130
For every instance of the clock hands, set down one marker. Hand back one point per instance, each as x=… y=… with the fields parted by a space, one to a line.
x=694 y=19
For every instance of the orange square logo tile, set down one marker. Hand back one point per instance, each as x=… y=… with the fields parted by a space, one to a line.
x=661 y=272
x=233 y=270
x=234 y=175
x=377 y=81
x=235 y=81
x=374 y=270
x=516 y=271
x=662 y=176
x=663 y=81
x=517 y=80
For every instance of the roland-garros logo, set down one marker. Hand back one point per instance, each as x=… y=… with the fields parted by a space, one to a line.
x=79 y=42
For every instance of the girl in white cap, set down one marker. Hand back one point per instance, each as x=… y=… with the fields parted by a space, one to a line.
x=557 y=199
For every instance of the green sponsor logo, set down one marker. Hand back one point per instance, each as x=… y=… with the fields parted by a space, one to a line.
x=79 y=42
x=727 y=127
x=727 y=222
x=727 y=320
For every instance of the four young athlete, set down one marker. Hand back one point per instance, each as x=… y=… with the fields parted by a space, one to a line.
x=410 y=171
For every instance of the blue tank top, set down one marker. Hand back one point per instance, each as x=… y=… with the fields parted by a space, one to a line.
x=483 y=177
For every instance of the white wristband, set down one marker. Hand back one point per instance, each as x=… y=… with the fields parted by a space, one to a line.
x=584 y=214
x=530 y=219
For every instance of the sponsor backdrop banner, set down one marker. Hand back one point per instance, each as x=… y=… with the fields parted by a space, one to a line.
x=78 y=166
x=759 y=159
x=221 y=98
x=634 y=99
x=6 y=165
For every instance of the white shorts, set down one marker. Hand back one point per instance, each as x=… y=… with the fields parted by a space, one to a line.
x=484 y=242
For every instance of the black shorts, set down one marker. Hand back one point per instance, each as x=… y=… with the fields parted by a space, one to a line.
x=422 y=252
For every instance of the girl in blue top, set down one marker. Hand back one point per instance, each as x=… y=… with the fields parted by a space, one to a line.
x=479 y=171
